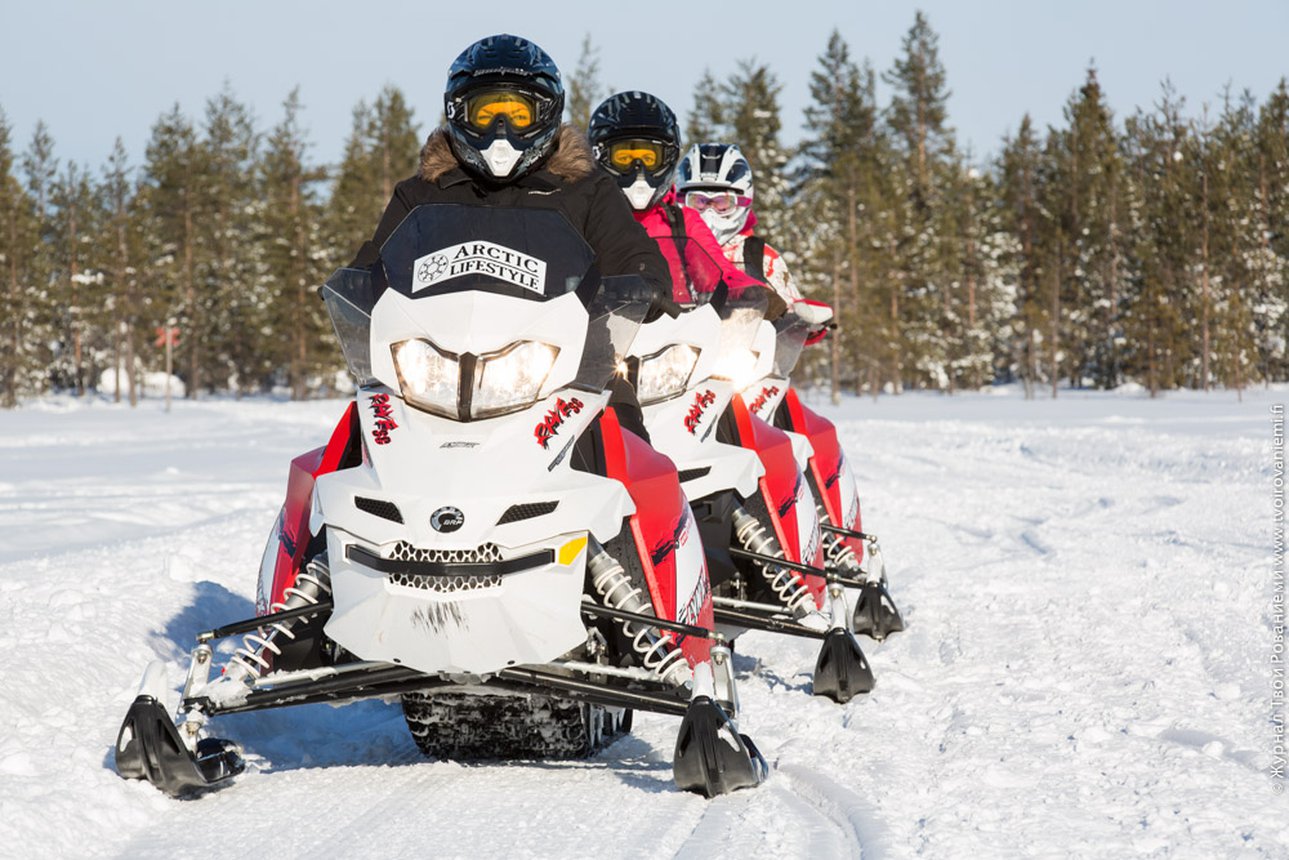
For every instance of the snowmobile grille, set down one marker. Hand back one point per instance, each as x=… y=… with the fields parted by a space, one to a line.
x=694 y=474
x=445 y=584
x=378 y=508
x=515 y=513
x=404 y=551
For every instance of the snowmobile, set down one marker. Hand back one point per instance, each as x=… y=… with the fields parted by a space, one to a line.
x=777 y=347
x=481 y=538
x=760 y=523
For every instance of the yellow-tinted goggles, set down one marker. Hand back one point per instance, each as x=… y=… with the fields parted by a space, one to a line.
x=624 y=153
x=483 y=109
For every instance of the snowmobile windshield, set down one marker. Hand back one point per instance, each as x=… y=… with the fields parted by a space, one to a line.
x=530 y=254
x=350 y=295
x=791 y=332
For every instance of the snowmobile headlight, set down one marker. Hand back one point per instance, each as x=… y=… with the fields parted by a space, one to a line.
x=512 y=378
x=738 y=366
x=428 y=377
x=666 y=373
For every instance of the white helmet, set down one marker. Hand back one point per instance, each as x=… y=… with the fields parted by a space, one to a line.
x=716 y=180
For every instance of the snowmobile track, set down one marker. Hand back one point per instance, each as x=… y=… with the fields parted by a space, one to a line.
x=824 y=819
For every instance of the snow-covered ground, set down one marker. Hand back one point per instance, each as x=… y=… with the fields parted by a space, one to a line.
x=1086 y=672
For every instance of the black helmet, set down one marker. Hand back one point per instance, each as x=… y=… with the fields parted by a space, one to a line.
x=504 y=103
x=636 y=138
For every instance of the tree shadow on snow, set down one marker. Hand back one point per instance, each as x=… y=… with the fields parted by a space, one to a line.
x=213 y=606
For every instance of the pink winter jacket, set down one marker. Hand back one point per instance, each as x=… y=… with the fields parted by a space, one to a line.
x=697 y=262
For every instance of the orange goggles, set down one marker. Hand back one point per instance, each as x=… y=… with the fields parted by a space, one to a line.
x=518 y=109
x=624 y=153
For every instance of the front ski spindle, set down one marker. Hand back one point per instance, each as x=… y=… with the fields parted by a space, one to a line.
x=876 y=614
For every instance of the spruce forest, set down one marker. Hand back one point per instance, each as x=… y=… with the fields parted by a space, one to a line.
x=1150 y=249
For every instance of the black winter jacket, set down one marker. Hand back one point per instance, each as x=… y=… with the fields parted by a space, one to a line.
x=569 y=181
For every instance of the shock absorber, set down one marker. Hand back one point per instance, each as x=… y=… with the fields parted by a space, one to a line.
x=837 y=552
x=841 y=555
x=659 y=654
x=788 y=586
x=250 y=660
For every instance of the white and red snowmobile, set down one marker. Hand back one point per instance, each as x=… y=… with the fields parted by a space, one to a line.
x=480 y=537
x=760 y=523
x=776 y=349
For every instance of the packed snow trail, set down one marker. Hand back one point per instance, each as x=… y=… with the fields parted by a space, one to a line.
x=1086 y=669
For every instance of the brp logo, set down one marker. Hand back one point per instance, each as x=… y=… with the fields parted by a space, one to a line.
x=447 y=519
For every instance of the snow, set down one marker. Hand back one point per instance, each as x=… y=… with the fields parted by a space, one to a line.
x=1086 y=673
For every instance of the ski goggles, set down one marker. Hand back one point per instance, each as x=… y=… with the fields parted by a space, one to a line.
x=718 y=201
x=625 y=153
x=518 y=108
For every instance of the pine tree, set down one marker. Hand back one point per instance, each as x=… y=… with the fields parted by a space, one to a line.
x=381 y=149
x=1157 y=314
x=122 y=242
x=585 y=92
x=1021 y=215
x=169 y=191
x=837 y=196
x=1091 y=172
x=292 y=237
x=395 y=140
x=78 y=302
x=751 y=98
x=918 y=112
x=1270 y=275
x=41 y=345
x=224 y=346
x=918 y=119
x=706 y=122
x=18 y=238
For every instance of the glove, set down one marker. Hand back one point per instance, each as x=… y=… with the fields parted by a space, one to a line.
x=812 y=312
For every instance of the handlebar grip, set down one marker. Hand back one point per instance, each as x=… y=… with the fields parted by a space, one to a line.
x=665 y=305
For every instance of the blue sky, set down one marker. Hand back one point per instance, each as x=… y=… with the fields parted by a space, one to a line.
x=95 y=70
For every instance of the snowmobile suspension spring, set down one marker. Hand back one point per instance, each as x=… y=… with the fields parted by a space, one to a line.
x=788 y=585
x=659 y=654
x=311 y=584
x=841 y=555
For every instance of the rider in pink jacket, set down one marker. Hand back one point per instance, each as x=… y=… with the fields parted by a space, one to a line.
x=635 y=137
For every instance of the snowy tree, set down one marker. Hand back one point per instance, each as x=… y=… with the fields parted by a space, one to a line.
x=585 y=92
x=293 y=258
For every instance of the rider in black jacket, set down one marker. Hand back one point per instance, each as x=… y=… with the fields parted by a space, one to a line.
x=504 y=144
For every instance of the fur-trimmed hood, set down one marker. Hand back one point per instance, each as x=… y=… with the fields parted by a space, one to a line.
x=571 y=160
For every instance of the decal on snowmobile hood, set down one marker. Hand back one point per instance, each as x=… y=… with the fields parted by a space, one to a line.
x=384 y=418
x=765 y=395
x=694 y=417
x=554 y=419
x=479 y=257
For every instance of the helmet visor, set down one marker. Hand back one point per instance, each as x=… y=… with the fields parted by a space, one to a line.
x=623 y=154
x=519 y=109
x=720 y=202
